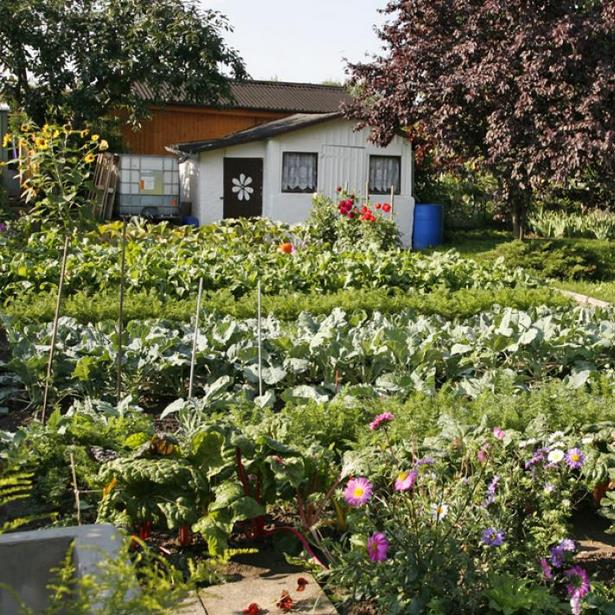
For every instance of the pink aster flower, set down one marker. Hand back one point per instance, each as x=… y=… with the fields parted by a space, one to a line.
x=483 y=453
x=358 y=491
x=405 y=480
x=381 y=419
x=546 y=569
x=575 y=458
x=578 y=587
x=499 y=433
x=377 y=547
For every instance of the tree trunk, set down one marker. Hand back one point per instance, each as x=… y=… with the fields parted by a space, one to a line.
x=519 y=211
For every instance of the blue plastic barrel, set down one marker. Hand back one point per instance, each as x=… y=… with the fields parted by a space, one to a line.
x=191 y=221
x=427 y=231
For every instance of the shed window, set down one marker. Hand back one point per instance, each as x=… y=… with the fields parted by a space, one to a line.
x=384 y=172
x=299 y=172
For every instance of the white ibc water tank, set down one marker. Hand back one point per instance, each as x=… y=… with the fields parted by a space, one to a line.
x=148 y=186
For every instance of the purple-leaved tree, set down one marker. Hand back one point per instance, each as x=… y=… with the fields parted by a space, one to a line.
x=523 y=87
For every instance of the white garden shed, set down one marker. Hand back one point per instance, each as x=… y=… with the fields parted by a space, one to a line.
x=272 y=170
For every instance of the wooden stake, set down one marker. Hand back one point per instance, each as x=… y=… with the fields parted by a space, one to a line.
x=120 y=319
x=259 y=338
x=367 y=192
x=196 y=334
x=54 y=333
x=392 y=201
x=75 y=489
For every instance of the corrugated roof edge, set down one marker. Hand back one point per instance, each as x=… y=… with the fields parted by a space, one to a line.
x=165 y=98
x=256 y=133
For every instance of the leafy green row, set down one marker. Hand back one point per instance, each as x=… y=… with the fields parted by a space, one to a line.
x=315 y=355
x=145 y=305
x=172 y=261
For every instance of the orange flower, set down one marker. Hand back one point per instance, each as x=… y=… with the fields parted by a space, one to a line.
x=286 y=248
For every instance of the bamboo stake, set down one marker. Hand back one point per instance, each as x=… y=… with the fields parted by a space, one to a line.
x=196 y=334
x=392 y=201
x=54 y=333
x=260 y=340
x=75 y=489
x=120 y=320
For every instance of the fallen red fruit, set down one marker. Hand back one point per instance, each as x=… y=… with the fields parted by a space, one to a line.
x=301 y=583
x=285 y=602
x=252 y=609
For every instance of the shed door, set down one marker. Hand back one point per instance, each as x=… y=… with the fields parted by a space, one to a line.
x=243 y=187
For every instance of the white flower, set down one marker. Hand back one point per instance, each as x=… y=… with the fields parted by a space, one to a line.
x=439 y=511
x=242 y=187
x=588 y=439
x=524 y=443
x=555 y=456
x=555 y=435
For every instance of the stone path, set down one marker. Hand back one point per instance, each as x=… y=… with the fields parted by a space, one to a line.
x=584 y=299
x=266 y=588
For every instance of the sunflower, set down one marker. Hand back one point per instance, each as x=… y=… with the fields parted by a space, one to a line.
x=95 y=138
x=89 y=158
x=7 y=139
x=41 y=143
x=25 y=127
x=84 y=133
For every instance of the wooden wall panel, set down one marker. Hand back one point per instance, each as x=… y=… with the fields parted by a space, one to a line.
x=177 y=124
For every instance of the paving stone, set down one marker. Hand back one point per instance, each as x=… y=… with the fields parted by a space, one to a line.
x=265 y=588
x=191 y=606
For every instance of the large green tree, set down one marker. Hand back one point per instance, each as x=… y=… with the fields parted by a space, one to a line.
x=524 y=88
x=81 y=58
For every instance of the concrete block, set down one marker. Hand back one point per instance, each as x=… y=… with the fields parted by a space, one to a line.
x=26 y=560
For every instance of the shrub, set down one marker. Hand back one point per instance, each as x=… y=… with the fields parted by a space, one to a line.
x=594 y=260
x=348 y=224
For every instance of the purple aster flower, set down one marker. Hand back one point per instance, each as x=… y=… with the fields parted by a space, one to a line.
x=546 y=569
x=381 y=419
x=424 y=461
x=558 y=553
x=492 y=537
x=358 y=491
x=405 y=480
x=499 y=433
x=549 y=488
x=578 y=586
x=3 y=227
x=567 y=545
x=537 y=457
x=557 y=557
x=575 y=458
x=491 y=489
x=377 y=547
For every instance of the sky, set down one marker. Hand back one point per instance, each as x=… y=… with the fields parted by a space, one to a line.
x=301 y=41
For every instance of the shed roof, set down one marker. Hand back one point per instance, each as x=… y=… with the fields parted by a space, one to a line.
x=262 y=131
x=280 y=96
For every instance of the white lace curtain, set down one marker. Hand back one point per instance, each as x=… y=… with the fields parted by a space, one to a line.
x=299 y=172
x=384 y=173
